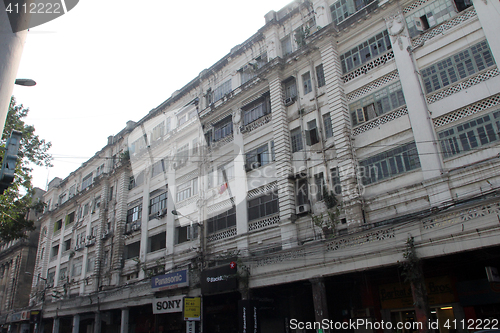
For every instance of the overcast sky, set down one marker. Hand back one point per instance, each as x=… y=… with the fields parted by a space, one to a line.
x=107 y=62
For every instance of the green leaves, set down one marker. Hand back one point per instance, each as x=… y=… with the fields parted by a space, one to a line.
x=18 y=198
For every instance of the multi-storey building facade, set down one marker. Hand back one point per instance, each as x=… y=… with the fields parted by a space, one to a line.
x=17 y=260
x=387 y=108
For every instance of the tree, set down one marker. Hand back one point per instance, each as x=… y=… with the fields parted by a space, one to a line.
x=17 y=200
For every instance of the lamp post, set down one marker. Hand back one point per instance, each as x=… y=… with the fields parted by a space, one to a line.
x=202 y=246
x=38 y=325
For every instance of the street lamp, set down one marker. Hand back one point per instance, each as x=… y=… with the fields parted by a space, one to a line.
x=39 y=324
x=25 y=82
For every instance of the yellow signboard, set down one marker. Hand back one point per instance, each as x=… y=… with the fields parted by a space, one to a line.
x=440 y=290
x=192 y=308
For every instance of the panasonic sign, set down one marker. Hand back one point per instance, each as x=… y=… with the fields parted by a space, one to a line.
x=171 y=280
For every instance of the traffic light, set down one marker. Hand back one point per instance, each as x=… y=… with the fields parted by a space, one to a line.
x=9 y=160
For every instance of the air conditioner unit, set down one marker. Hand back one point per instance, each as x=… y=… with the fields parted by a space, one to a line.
x=175 y=165
x=90 y=237
x=136 y=227
x=302 y=209
x=105 y=234
x=128 y=228
x=162 y=213
x=289 y=101
x=90 y=242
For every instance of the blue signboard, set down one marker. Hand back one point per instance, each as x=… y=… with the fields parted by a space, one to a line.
x=171 y=280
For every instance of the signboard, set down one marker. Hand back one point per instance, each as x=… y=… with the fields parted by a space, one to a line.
x=190 y=327
x=167 y=304
x=248 y=316
x=220 y=279
x=171 y=280
x=192 y=308
x=440 y=290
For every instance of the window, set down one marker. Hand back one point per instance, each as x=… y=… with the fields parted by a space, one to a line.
x=100 y=170
x=296 y=136
x=67 y=244
x=72 y=191
x=134 y=214
x=327 y=122
x=337 y=188
x=257 y=157
x=70 y=218
x=158 y=168
x=462 y=4
x=459 y=66
x=158 y=131
x=93 y=231
x=132 y=250
x=221 y=91
x=80 y=238
x=434 y=13
x=50 y=277
x=187 y=189
x=312 y=135
x=63 y=198
x=286 y=45
x=256 y=110
x=58 y=225
x=158 y=203
x=186 y=233
x=302 y=192
x=86 y=209
x=90 y=264
x=290 y=89
x=157 y=242
x=77 y=269
x=208 y=137
x=342 y=9
x=225 y=173
x=319 y=182
x=223 y=128
x=194 y=150
x=111 y=189
x=389 y=163
x=87 y=181
x=320 y=75
x=365 y=51
x=168 y=125
x=306 y=83
x=381 y=101
x=55 y=251
x=105 y=259
x=263 y=206
x=138 y=146
x=222 y=221
x=470 y=135
x=135 y=181
x=62 y=273
x=97 y=203
x=182 y=155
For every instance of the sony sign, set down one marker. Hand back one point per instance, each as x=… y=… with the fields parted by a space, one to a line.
x=167 y=304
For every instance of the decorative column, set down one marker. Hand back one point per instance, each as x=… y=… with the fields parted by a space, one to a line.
x=76 y=323
x=283 y=151
x=121 y=216
x=124 y=321
x=319 y=299
x=240 y=180
x=55 y=325
x=341 y=123
x=97 y=322
x=488 y=12
x=420 y=118
x=97 y=279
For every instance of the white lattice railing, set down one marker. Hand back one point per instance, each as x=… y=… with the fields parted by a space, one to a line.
x=414 y=5
x=222 y=234
x=481 y=77
x=380 y=121
x=461 y=216
x=372 y=86
x=359 y=240
x=257 y=123
x=221 y=143
x=382 y=60
x=467 y=111
x=262 y=190
x=264 y=223
x=440 y=29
